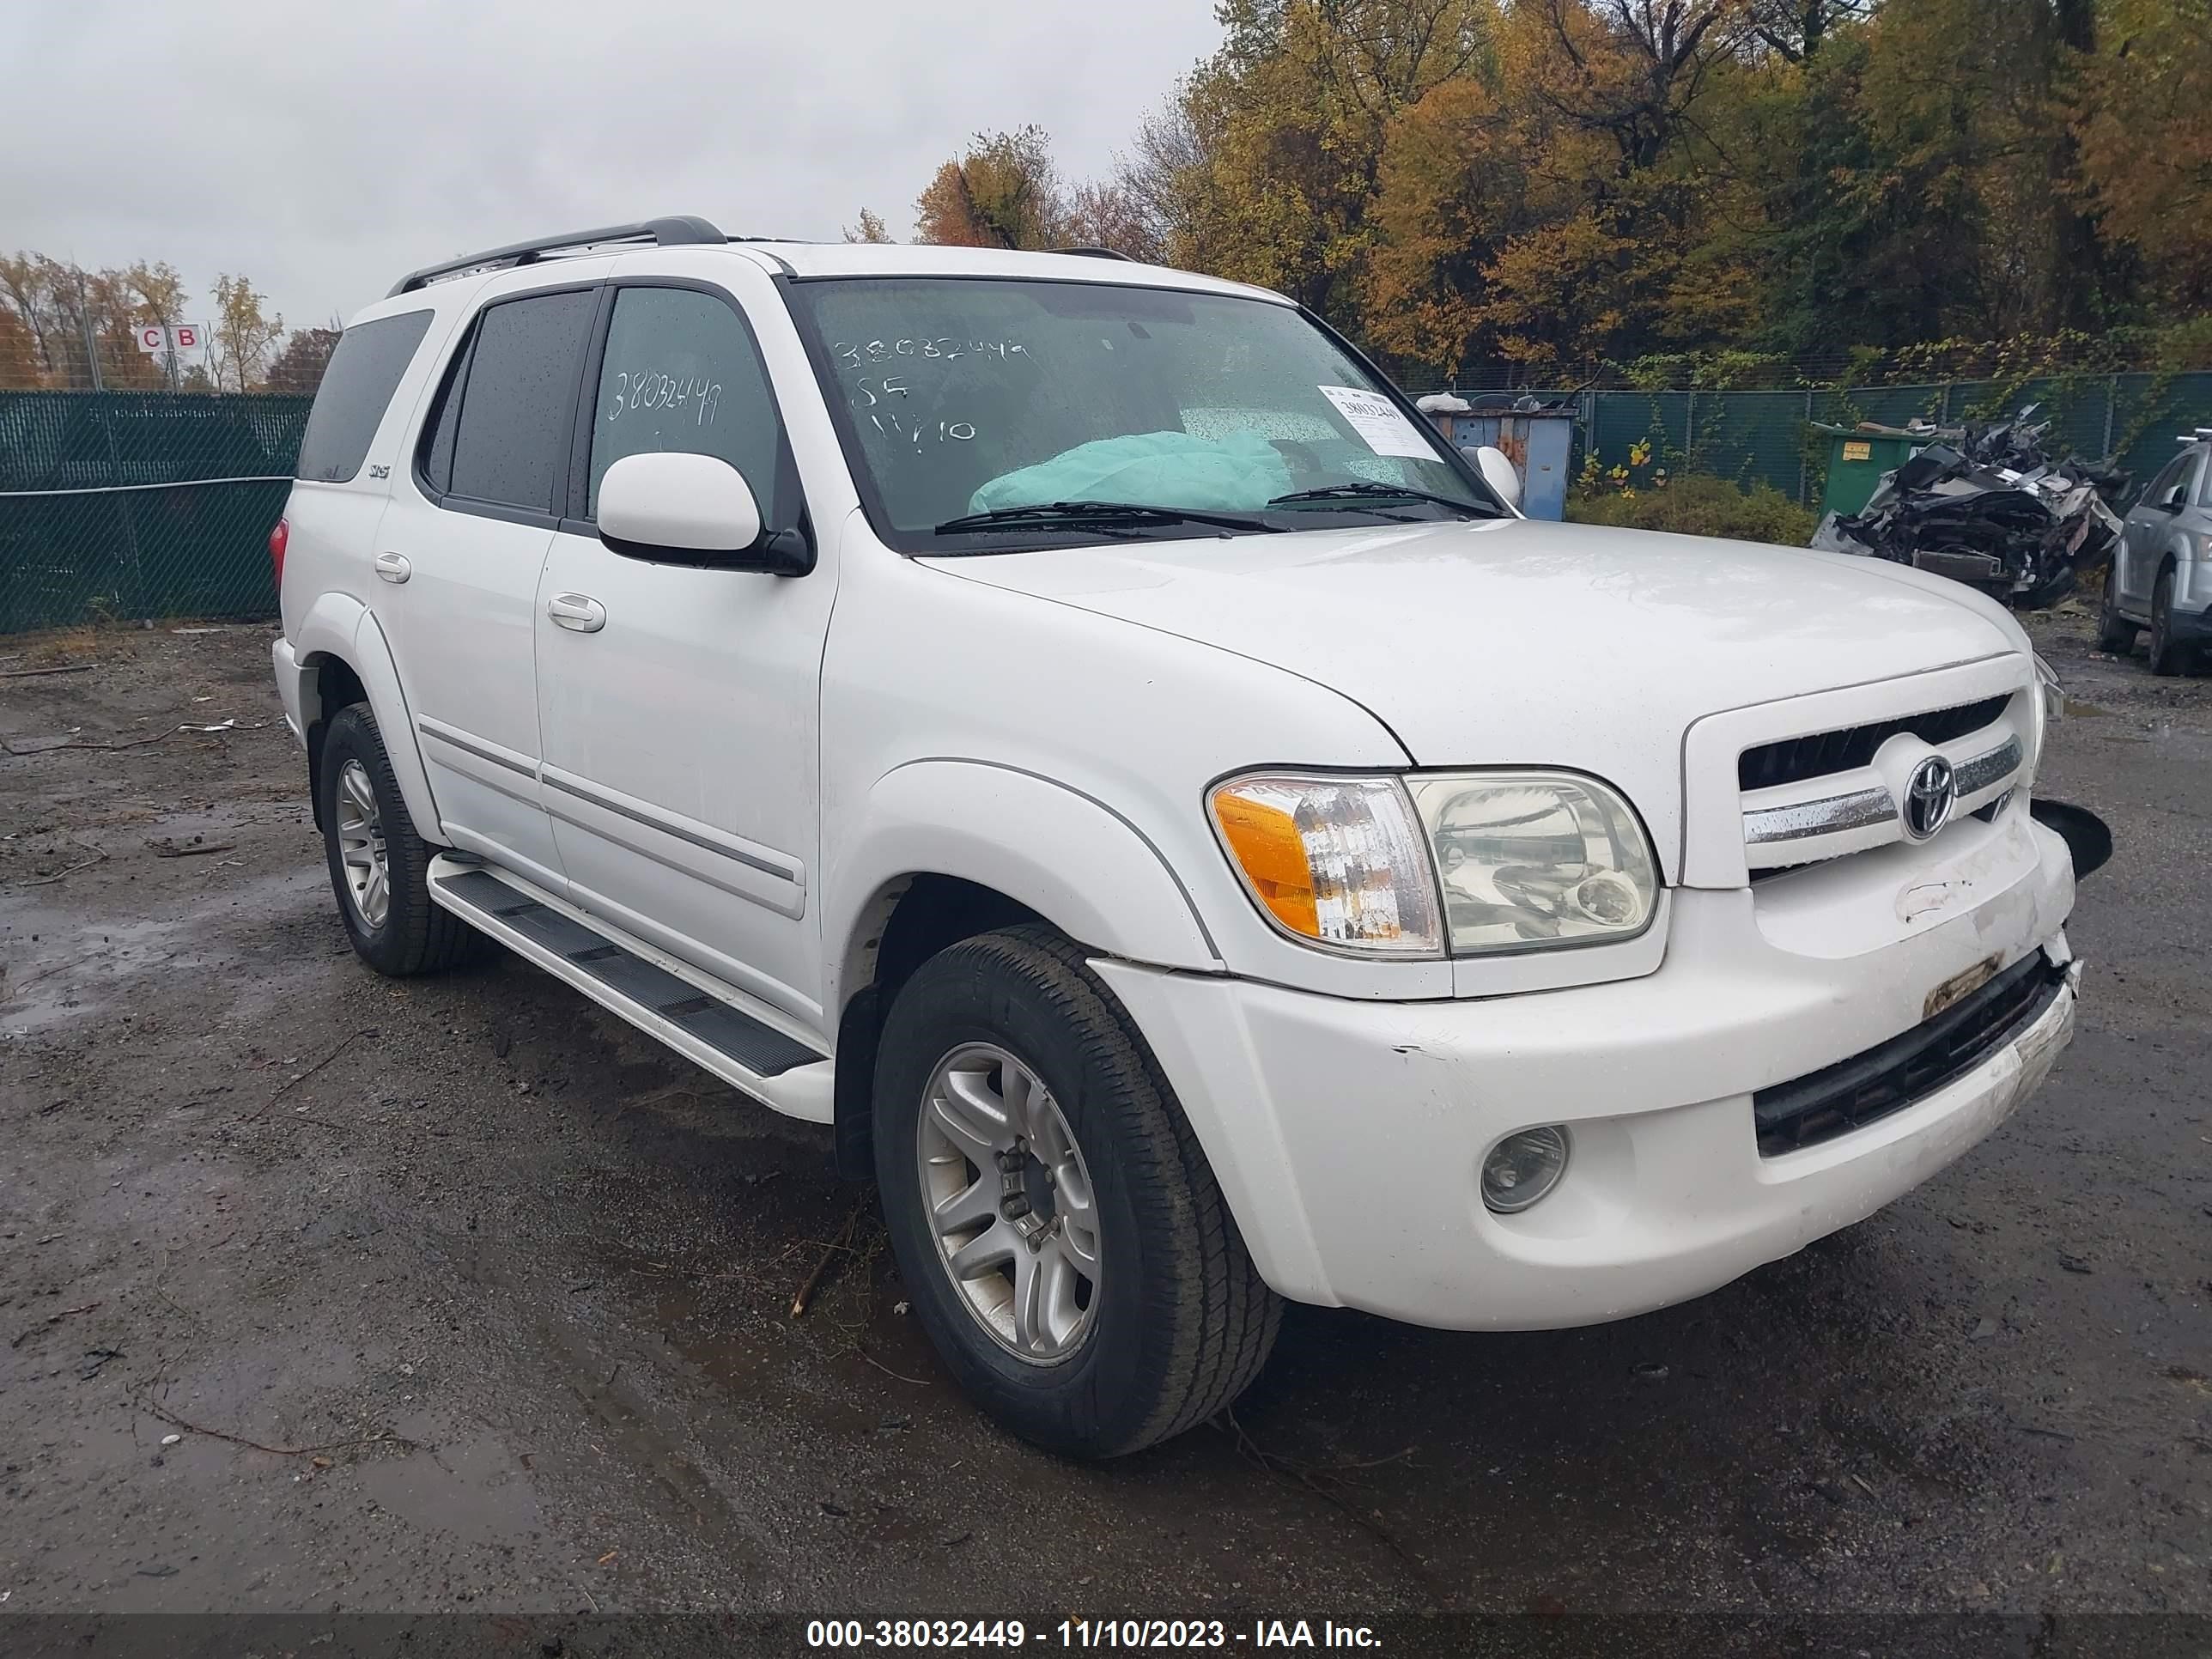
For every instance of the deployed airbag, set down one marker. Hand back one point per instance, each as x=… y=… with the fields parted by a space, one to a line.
x=1240 y=472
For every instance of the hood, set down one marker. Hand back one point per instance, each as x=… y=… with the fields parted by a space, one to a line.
x=1512 y=642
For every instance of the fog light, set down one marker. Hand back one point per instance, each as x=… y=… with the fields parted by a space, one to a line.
x=1523 y=1168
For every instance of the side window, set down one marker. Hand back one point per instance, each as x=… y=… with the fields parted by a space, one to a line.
x=364 y=371
x=682 y=374
x=2203 y=493
x=511 y=430
x=2168 y=476
x=435 y=451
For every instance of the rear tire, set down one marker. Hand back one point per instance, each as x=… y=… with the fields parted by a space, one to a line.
x=1177 y=1321
x=2167 y=656
x=380 y=866
x=2115 y=633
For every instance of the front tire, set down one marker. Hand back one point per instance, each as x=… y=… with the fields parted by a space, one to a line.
x=1060 y=1235
x=2115 y=633
x=380 y=866
x=2167 y=656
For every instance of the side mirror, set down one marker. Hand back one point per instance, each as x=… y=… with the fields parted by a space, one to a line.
x=692 y=509
x=2175 y=498
x=1498 y=472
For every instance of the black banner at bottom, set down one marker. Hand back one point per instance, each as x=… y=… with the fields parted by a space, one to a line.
x=709 y=1636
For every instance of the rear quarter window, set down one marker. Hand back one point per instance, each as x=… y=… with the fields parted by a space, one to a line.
x=519 y=399
x=364 y=371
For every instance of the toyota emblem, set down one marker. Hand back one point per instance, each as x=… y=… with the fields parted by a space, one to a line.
x=1930 y=794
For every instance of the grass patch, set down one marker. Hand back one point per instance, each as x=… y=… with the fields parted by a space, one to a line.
x=1698 y=504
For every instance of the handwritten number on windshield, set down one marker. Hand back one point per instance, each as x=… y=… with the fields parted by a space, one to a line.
x=853 y=353
x=655 y=390
x=917 y=433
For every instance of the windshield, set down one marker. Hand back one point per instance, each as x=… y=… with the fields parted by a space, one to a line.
x=964 y=401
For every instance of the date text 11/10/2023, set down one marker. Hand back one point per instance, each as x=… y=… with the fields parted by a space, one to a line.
x=1086 y=1633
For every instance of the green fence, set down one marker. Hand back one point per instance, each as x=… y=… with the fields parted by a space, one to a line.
x=1763 y=438
x=154 y=504
x=140 y=504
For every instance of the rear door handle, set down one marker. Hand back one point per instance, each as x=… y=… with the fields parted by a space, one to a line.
x=393 y=567
x=578 y=612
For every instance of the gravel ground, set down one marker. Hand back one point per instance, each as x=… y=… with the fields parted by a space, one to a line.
x=320 y=1291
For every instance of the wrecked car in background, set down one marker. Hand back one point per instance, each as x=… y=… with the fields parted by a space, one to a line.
x=1987 y=506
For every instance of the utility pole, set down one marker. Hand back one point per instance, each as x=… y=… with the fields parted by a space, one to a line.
x=124 y=514
x=84 y=325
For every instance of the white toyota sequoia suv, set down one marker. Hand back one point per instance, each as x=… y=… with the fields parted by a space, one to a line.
x=1074 y=728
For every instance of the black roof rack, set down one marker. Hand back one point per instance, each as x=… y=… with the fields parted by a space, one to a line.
x=1099 y=253
x=682 y=230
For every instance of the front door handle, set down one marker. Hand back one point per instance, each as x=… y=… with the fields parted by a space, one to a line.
x=578 y=612
x=393 y=567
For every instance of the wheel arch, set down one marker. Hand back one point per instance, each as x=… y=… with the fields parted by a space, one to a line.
x=344 y=657
x=950 y=850
x=906 y=922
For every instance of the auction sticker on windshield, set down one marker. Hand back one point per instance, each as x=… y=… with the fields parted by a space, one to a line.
x=1379 y=423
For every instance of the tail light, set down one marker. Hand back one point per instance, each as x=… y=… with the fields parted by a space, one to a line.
x=277 y=538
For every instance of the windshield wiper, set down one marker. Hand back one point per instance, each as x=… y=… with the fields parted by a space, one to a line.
x=1077 y=513
x=1370 y=489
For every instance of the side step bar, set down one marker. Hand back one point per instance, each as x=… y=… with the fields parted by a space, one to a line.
x=707 y=1023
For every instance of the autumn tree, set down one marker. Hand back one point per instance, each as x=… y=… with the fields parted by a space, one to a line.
x=1554 y=210
x=299 y=366
x=1449 y=191
x=35 y=357
x=244 y=332
x=1629 y=69
x=1294 y=113
x=870 y=229
x=21 y=363
x=1162 y=178
x=1796 y=29
x=1571 y=186
x=2142 y=102
x=1002 y=191
x=60 y=313
x=1106 y=214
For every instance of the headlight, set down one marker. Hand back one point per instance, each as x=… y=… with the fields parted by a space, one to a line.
x=1522 y=860
x=2051 y=702
x=1335 y=861
x=1530 y=859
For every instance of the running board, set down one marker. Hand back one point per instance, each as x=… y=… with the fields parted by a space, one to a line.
x=707 y=1022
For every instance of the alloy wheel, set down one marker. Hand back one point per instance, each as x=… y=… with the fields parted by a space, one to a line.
x=1010 y=1202
x=360 y=845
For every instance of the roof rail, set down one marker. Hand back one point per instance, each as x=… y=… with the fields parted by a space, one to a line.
x=682 y=230
x=1098 y=253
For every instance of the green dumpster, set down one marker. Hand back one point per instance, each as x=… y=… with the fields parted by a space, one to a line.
x=1859 y=455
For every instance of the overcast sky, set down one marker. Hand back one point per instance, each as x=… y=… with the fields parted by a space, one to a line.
x=325 y=150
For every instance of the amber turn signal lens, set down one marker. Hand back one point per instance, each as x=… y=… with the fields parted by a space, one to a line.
x=1265 y=841
x=1338 y=861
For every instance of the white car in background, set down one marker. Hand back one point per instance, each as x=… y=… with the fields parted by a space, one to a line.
x=2160 y=574
x=1071 y=727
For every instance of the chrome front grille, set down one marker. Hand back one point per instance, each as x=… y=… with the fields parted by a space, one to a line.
x=1822 y=754
x=1809 y=798
x=1996 y=765
x=1826 y=816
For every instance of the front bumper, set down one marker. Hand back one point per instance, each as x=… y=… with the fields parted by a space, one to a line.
x=1348 y=1136
x=2193 y=628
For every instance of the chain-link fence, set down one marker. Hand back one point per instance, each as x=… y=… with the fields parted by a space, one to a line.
x=1754 y=438
x=128 y=504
